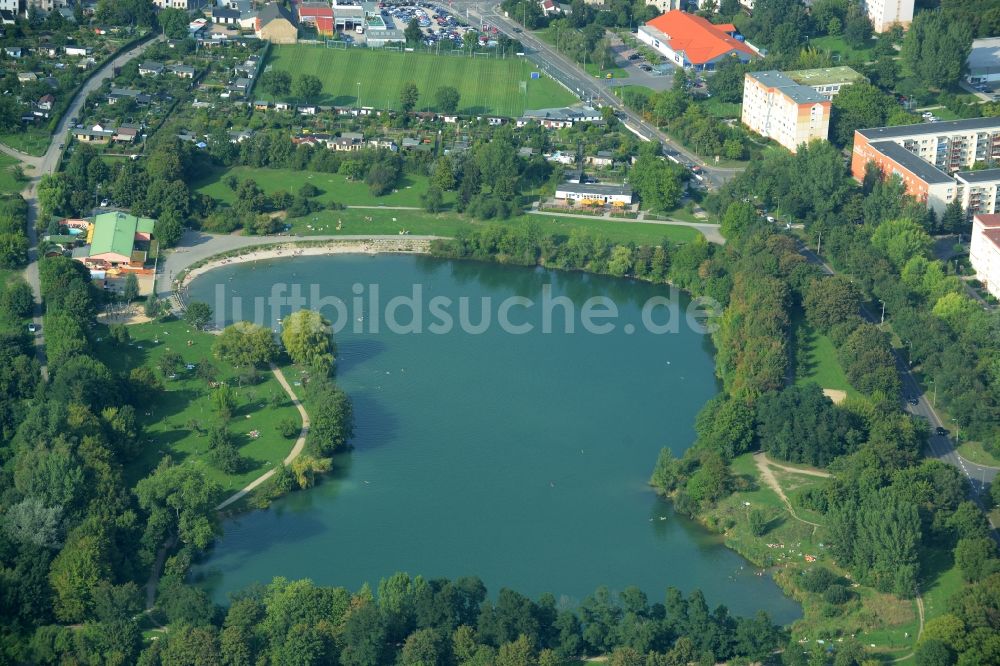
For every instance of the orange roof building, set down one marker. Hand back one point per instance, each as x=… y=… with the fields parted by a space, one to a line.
x=687 y=40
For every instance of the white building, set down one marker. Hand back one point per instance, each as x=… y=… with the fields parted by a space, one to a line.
x=886 y=13
x=777 y=107
x=979 y=191
x=984 y=60
x=621 y=194
x=9 y=6
x=687 y=40
x=984 y=251
x=186 y=5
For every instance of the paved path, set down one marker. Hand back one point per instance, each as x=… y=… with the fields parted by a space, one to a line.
x=48 y=163
x=300 y=443
x=709 y=231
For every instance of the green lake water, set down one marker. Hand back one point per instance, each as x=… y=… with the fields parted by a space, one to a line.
x=521 y=459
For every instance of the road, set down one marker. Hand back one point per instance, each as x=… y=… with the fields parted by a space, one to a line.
x=941 y=446
x=587 y=87
x=36 y=167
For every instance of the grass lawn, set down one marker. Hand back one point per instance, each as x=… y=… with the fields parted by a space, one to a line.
x=168 y=422
x=602 y=72
x=9 y=184
x=418 y=222
x=334 y=187
x=975 y=452
x=836 y=45
x=816 y=360
x=714 y=107
x=34 y=142
x=486 y=85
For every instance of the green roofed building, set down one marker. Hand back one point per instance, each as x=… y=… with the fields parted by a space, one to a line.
x=117 y=240
x=827 y=81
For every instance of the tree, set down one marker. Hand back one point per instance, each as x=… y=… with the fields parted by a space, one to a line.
x=936 y=48
x=173 y=22
x=858 y=28
x=900 y=240
x=409 y=96
x=447 y=98
x=412 y=32
x=130 y=290
x=976 y=558
x=932 y=652
x=433 y=199
x=178 y=499
x=856 y=106
x=757 y=522
x=198 y=314
x=246 y=344
x=17 y=299
x=332 y=420
x=308 y=340
x=831 y=301
x=277 y=82
x=308 y=87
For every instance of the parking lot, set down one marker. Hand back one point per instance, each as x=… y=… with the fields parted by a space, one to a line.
x=437 y=23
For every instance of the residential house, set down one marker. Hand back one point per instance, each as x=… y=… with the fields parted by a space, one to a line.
x=151 y=69
x=557 y=118
x=239 y=136
x=126 y=135
x=122 y=93
x=261 y=105
x=46 y=102
x=95 y=134
x=225 y=15
x=13 y=51
x=183 y=71
x=603 y=159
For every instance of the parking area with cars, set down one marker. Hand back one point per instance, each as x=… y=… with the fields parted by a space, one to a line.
x=437 y=23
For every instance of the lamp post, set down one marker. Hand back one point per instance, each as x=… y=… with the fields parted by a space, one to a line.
x=358 y=98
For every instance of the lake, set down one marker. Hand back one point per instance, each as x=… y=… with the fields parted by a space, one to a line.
x=519 y=458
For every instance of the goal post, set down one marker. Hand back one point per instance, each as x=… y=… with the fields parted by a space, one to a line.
x=336 y=44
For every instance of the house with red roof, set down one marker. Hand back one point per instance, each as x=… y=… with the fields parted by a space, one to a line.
x=687 y=40
x=317 y=14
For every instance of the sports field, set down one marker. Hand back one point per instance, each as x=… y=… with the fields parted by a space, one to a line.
x=486 y=85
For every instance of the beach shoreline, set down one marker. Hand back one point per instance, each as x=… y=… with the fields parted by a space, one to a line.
x=303 y=248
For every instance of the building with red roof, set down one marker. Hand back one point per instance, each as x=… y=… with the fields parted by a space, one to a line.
x=317 y=14
x=687 y=40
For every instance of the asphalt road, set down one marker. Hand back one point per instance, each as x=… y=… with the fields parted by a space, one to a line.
x=940 y=446
x=587 y=87
x=36 y=167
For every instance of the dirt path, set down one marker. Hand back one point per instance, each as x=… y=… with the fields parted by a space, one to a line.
x=764 y=467
x=794 y=470
x=300 y=443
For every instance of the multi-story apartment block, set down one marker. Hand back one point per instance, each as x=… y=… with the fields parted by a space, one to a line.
x=45 y=5
x=777 y=107
x=886 y=13
x=950 y=146
x=984 y=251
x=186 y=5
x=933 y=160
x=979 y=191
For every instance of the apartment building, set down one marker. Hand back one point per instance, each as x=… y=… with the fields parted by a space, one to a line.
x=186 y=5
x=950 y=146
x=979 y=191
x=984 y=251
x=886 y=13
x=9 y=6
x=827 y=81
x=777 y=107
x=45 y=5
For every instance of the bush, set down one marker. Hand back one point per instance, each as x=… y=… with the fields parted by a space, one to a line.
x=288 y=428
x=228 y=459
x=836 y=594
x=818 y=579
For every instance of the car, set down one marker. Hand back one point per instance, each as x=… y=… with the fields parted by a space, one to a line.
x=32 y=328
x=913 y=401
x=943 y=432
x=105 y=203
x=772 y=218
x=518 y=30
x=927 y=114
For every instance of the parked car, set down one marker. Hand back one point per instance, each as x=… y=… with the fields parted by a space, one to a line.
x=32 y=328
x=943 y=432
x=913 y=401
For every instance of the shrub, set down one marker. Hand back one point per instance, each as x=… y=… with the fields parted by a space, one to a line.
x=288 y=428
x=836 y=594
x=818 y=579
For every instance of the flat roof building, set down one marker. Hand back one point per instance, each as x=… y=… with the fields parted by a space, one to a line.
x=777 y=107
x=984 y=251
x=827 y=81
x=607 y=193
x=984 y=60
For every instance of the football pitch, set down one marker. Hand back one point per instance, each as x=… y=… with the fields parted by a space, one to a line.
x=485 y=85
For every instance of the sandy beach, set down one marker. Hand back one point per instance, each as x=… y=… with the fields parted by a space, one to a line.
x=370 y=246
